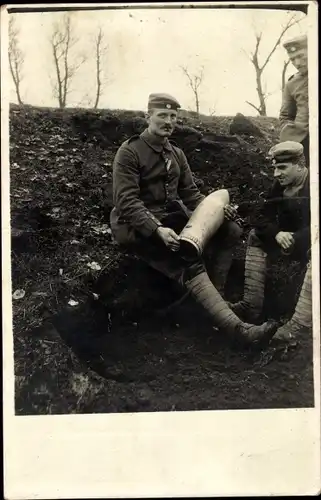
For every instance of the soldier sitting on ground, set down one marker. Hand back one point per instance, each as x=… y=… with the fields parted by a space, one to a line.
x=154 y=197
x=283 y=229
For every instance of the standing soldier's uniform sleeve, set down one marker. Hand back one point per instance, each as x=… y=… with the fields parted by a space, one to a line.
x=130 y=208
x=288 y=107
x=187 y=189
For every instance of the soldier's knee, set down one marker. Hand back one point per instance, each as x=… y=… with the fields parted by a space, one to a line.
x=191 y=271
x=233 y=232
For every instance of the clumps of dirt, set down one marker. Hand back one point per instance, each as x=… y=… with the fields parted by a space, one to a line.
x=243 y=126
x=61 y=195
x=72 y=274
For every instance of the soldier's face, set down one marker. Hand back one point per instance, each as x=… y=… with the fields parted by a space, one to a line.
x=287 y=173
x=162 y=121
x=300 y=61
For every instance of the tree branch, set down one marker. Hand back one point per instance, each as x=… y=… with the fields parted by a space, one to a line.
x=285 y=66
x=253 y=106
x=61 y=41
x=195 y=82
x=188 y=76
x=258 y=37
x=16 y=57
x=66 y=54
x=292 y=21
x=98 y=69
x=259 y=68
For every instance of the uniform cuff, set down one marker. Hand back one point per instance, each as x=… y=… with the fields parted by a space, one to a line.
x=150 y=225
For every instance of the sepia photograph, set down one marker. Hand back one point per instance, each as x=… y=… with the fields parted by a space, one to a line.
x=163 y=208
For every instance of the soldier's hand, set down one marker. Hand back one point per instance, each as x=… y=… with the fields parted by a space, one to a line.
x=230 y=212
x=169 y=237
x=285 y=240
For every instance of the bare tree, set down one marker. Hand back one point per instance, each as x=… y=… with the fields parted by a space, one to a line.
x=260 y=66
x=62 y=41
x=195 y=82
x=212 y=109
x=16 y=57
x=100 y=51
x=285 y=66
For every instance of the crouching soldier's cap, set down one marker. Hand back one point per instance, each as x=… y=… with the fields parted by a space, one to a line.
x=285 y=152
x=295 y=44
x=163 y=101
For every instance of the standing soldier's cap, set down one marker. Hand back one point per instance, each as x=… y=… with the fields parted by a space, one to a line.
x=163 y=101
x=285 y=152
x=295 y=44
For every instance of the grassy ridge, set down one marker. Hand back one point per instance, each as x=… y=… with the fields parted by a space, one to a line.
x=61 y=196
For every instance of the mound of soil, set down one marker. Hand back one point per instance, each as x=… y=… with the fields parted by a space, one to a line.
x=94 y=330
x=244 y=126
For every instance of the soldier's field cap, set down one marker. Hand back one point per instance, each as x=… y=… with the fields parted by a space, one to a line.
x=163 y=101
x=286 y=152
x=295 y=44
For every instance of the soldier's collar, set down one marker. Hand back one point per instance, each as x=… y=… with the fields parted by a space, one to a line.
x=153 y=143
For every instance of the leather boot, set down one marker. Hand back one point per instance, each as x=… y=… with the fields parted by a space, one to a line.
x=301 y=320
x=205 y=293
x=250 y=308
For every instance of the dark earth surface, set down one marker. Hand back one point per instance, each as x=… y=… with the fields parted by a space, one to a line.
x=122 y=347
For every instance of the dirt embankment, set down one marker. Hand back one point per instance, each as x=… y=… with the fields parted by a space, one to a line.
x=105 y=351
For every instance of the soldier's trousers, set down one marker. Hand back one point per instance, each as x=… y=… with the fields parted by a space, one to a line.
x=154 y=252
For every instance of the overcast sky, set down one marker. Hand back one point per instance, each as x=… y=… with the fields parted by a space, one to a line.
x=146 y=48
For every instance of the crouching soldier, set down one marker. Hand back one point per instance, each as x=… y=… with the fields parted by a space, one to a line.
x=154 y=198
x=284 y=228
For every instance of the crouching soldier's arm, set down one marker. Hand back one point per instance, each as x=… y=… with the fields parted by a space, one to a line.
x=267 y=231
x=267 y=226
x=187 y=189
x=302 y=239
x=130 y=207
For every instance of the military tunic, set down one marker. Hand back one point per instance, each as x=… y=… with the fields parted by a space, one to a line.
x=286 y=214
x=152 y=186
x=148 y=178
x=294 y=113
